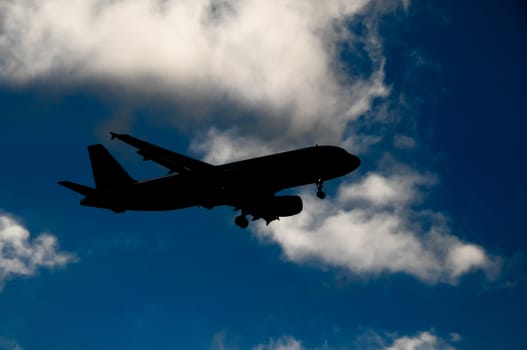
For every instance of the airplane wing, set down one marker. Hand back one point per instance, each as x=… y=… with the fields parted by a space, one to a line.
x=173 y=161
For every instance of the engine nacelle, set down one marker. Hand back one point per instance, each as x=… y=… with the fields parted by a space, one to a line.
x=282 y=206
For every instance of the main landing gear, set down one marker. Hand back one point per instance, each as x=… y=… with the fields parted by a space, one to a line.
x=241 y=221
x=320 y=194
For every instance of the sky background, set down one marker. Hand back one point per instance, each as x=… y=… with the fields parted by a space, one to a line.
x=423 y=247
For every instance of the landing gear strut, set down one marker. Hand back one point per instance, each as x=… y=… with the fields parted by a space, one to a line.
x=320 y=194
x=241 y=221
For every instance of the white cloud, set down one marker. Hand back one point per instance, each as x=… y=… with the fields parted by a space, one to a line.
x=282 y=343
x=280 y=57
x=423 y=341
x=370 y=229
x=23 y=257
x=220 y=147
x=360 y=143
x=380 y=190
x=373 y=341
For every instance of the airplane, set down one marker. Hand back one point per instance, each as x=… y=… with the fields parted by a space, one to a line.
x=249 y=186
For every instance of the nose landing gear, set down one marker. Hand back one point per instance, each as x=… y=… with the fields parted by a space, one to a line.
x=320 y=194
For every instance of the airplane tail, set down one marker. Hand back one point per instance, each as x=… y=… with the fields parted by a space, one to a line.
x=107 y=172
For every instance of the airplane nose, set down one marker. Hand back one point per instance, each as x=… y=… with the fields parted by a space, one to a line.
x=354 y=161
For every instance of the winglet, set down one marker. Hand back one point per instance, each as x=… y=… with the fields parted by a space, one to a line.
x=114 y=135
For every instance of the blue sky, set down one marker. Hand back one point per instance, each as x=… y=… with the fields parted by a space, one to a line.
x=423 y=247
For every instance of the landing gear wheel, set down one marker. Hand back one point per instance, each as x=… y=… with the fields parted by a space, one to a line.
x=241 y=221
x=320 y=194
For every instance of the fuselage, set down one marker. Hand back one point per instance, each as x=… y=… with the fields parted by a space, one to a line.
x=230 y=184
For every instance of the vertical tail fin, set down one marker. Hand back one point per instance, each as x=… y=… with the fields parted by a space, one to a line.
x=107 y=173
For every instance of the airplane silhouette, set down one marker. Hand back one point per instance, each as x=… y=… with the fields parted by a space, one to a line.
x=248 y=185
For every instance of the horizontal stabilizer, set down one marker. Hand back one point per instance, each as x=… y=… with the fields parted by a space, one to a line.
x=85 y=190
x=107 y=172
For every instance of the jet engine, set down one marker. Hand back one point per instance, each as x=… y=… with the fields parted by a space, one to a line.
x=283 y=206
x=276 y=207
x=271 y=209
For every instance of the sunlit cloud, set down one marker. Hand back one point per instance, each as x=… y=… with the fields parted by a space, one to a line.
x=22 y=256
x=371 y=340
x=279 y=57
x=371 y=229
x=422 y=341
x=283 y=343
